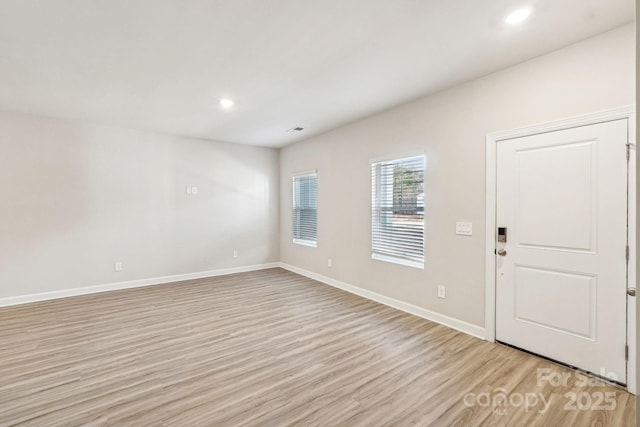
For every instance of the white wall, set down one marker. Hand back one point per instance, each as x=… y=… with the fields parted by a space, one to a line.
x=450 y=127
x=75 y=198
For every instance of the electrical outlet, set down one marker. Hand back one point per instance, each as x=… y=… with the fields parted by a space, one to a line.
x=117 y=266
x=194 y=190
x=441 y=292
x=235 y=253
x=329 y=262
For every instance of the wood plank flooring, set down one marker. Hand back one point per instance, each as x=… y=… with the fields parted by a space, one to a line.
x=271 y=348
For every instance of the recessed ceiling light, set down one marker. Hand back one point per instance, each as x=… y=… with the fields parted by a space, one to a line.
x=226 y=103
x=517 y=16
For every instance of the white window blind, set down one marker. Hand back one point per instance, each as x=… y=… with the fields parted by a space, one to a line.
x=305 y=209
x=397 y=211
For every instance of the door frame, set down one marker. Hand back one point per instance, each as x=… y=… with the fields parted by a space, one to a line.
x=491 y=142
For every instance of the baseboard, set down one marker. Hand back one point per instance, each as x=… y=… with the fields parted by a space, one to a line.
x=459 y=325
x=451 y=322
x=24 y=299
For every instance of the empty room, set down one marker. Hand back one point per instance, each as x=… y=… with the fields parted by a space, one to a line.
x=318 y=213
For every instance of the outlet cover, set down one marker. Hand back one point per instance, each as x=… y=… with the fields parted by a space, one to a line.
x=441 y=292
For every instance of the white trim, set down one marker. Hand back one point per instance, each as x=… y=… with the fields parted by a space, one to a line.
x=626 y=112
x=632 y=380
x=400 y=155
x=459 y=325
x=312 y=172
x=583 y=120
x=398 y=260
x=490 y=240
x=64 y=293
x=303 y=242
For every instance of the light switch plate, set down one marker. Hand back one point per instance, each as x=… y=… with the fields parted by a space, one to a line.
x=464 y=228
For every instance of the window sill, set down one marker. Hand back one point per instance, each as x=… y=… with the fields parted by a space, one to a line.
x=310 y=243
x=400 y=261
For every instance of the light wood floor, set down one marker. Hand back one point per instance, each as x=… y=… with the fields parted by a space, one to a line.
x=268 y=348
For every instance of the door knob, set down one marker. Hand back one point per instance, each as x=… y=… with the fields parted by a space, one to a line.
x=502 y=252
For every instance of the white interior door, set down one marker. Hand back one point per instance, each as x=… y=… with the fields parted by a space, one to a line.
x=561 y=274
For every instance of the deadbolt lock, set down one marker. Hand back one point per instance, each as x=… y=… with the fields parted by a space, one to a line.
x=502 y=234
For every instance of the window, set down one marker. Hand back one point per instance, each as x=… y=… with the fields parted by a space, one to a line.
x=305 y=208
x=397 y=211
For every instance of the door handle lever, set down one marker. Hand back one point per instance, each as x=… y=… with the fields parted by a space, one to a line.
x=631 y=292
x=501 y=252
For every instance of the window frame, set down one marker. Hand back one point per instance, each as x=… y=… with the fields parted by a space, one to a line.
x=296 y=240
x=390 y=258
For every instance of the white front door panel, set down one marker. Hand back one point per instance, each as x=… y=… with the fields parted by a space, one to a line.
x=561 y=286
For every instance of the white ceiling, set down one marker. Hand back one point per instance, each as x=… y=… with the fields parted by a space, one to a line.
x=162 y=65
